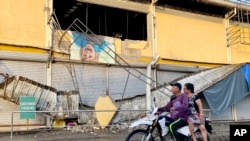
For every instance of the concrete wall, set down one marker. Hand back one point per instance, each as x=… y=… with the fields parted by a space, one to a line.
x=190 y=37
x=23 y=22
x=240 y=53
x=193 y=37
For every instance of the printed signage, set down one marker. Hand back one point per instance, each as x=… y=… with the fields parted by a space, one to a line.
x=27 y=103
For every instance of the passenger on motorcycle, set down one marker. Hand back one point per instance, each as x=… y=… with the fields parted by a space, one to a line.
x=178 y=110
x=195 y=111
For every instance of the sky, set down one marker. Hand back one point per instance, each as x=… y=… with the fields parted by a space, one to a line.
x=242 y=1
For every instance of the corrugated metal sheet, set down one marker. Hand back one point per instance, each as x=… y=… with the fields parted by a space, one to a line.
x=114 y=79
x=19 y=56
x=6 y=108
x=92 y=80
x=61 y=78
x=205 y=78
x=118 y=83
x=33 y=70
x=111 y=79
x=242 y=112
x=167 y=76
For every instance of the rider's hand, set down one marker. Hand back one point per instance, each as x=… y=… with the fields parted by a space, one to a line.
x=157 y=113
x=201 y=117
x=172 y=109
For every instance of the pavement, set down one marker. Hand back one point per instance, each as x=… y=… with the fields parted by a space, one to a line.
x=6 y=129
x=41 y=133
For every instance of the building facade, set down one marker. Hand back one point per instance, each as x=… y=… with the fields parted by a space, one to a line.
x=37 y=41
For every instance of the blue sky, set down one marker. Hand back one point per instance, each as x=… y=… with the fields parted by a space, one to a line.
x=242 y=1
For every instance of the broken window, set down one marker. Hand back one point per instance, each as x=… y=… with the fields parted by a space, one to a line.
x=102 y=20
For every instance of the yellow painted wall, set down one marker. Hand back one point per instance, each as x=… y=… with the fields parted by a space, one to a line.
x=22 y=22
x=190 y=37
x=240 y=53
x=180 y=35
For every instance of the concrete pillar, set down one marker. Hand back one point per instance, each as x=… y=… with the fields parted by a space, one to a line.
x=151 y=38
x=151 y=29
x=48 y=9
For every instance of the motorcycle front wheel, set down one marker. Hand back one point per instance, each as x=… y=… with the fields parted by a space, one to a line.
x=139 y=135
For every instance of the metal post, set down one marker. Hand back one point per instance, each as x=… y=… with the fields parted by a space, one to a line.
x=228 y=16
x=11 y=132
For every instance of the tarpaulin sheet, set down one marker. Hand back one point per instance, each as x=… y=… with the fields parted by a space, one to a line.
x=246 y=71
x=226 y=92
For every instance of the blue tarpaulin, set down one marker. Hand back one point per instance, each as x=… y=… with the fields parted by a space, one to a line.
x=228 y=91
x=246 y=72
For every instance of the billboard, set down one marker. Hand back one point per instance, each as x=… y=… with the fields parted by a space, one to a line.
x=92 y=48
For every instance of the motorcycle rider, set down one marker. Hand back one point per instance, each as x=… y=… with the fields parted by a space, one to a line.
x=178 y=108
x=195 y=111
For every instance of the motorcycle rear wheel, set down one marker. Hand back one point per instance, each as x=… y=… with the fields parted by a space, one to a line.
x=138 y=135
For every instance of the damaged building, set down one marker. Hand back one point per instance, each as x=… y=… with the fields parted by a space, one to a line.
x=71 y=54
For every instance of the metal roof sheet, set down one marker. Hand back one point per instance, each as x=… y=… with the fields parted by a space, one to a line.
x=206 y=78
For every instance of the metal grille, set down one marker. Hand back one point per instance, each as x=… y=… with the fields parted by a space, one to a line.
x=244 y=19
x=238 y=30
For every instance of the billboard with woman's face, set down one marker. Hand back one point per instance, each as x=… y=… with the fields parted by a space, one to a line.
x=92 y=48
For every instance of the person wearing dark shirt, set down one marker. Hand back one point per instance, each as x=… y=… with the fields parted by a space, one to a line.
x=178 y=110
x=195 y=111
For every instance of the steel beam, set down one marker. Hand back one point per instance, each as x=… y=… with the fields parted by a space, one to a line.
x=121 y=4
x=227 y=4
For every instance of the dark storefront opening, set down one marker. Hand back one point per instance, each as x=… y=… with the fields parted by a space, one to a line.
x=102 y=20
x=194 y=6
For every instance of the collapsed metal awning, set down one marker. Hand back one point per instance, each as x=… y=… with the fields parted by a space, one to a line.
x=201 y=80
x=47 y=97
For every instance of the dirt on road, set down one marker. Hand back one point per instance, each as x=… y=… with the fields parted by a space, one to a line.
x=220 y=133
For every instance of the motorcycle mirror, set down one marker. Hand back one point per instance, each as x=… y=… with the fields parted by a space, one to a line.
x=154 y=102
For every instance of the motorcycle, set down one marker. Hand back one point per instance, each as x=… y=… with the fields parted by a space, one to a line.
x=156 y=126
